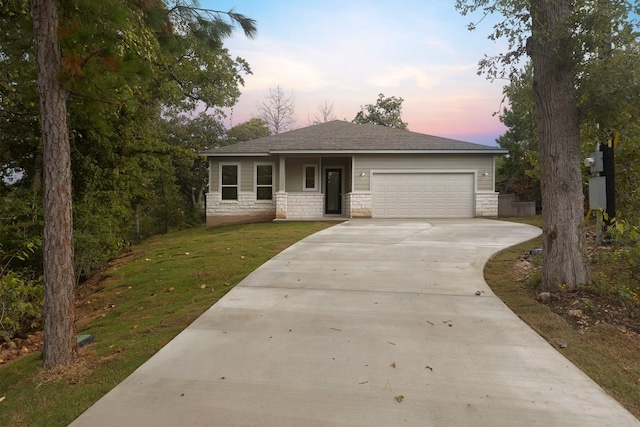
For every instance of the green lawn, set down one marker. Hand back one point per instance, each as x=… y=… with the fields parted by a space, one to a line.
x=137 y=305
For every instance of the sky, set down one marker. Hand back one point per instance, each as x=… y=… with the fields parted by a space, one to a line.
x=347 y=52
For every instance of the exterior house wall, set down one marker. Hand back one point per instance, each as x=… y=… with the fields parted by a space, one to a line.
x=245 y=209
x=357 y=199
x=305 y=205
x=367 y=162
x=294 y=167
x=487 y=204
x=247 y=171
x=360 y=205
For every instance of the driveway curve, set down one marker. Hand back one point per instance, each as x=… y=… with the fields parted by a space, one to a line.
x=367 y=323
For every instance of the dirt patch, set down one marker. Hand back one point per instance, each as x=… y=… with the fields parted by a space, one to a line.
x=20 y=347
x=583 y=308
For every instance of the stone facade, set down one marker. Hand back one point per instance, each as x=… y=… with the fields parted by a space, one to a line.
x=245 y=209
x=360 y=205
x=487 y=204
x=281 y=205
x=308 y=205
x=304 y=205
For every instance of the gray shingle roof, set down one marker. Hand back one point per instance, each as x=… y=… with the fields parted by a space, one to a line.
x=345 y=137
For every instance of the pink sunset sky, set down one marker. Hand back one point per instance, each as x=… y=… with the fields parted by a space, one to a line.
x=347 y=52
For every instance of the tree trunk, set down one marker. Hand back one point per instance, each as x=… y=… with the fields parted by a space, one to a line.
x=60 y=346
x=563 y=258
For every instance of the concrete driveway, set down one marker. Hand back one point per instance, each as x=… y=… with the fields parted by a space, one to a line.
x=367 y=323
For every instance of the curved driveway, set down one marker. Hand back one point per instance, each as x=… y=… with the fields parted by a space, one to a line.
x=367 y=323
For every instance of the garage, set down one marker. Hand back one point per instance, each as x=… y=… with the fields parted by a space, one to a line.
x=423 y=195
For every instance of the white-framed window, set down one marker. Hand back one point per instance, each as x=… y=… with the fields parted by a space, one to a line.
x=264 y=181
x=310 y=177
x=229 y=181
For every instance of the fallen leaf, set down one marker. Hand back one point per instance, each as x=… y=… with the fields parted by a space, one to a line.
x=399 y=398
x=181 y=394
x=135 y=327
x=428 y=367
x=393 y=365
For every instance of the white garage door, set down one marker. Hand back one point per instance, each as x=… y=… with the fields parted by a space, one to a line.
x=422 y=195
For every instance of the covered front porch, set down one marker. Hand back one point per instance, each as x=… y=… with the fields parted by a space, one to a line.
x=315 y=187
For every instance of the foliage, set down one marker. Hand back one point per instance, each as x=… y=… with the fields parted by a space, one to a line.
x=619 y=272
x=517 y=172
x=21 y=293
x=188 y=137
x=120 y=63
x=251 y=129
x=278 y=110
x=385 y=112
x=124 y=63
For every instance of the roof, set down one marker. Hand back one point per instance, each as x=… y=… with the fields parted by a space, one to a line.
x=341 y=137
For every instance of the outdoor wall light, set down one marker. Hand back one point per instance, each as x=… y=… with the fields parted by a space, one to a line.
x=485 y=173
x=362 y=173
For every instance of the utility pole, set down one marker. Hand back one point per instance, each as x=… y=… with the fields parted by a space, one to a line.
x=609 y=172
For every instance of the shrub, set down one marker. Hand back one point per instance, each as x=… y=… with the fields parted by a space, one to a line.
x=21 y=295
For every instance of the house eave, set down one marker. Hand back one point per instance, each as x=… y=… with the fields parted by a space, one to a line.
x=351 y=152
x=214 y=154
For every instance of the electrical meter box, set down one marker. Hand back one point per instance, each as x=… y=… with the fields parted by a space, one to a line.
x=597 y=165
x=598 y=192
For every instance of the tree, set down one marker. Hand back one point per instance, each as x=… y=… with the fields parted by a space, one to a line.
x=278 y=110
x=518 y=172
x=60 y=346
x=251 y=129
x=560 y=37
x=326 y=114
x=188 y=137
x=385 y=112
x=58 y=75
x=551 y=50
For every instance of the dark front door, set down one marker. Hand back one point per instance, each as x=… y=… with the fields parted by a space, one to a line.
x=333 y=191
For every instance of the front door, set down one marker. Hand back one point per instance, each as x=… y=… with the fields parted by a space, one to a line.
x=333 y=191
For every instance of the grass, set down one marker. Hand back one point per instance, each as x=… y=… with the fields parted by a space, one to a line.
x=134 y=307
x=604 y=353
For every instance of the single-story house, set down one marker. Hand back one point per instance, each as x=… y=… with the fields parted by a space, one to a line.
x=349 y=170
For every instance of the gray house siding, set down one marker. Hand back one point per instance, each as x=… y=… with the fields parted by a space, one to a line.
x=426 y=162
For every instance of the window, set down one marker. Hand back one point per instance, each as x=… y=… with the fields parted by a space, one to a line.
x=310 y=178
x=229 y=182
x=264 y=181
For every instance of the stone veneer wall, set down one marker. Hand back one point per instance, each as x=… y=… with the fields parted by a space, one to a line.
x=281 y=205
x=360 y=205
x=304 y=205
x=487 y=204
x=246 y=205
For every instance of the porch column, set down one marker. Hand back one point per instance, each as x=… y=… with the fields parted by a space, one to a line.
x=282 y=176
